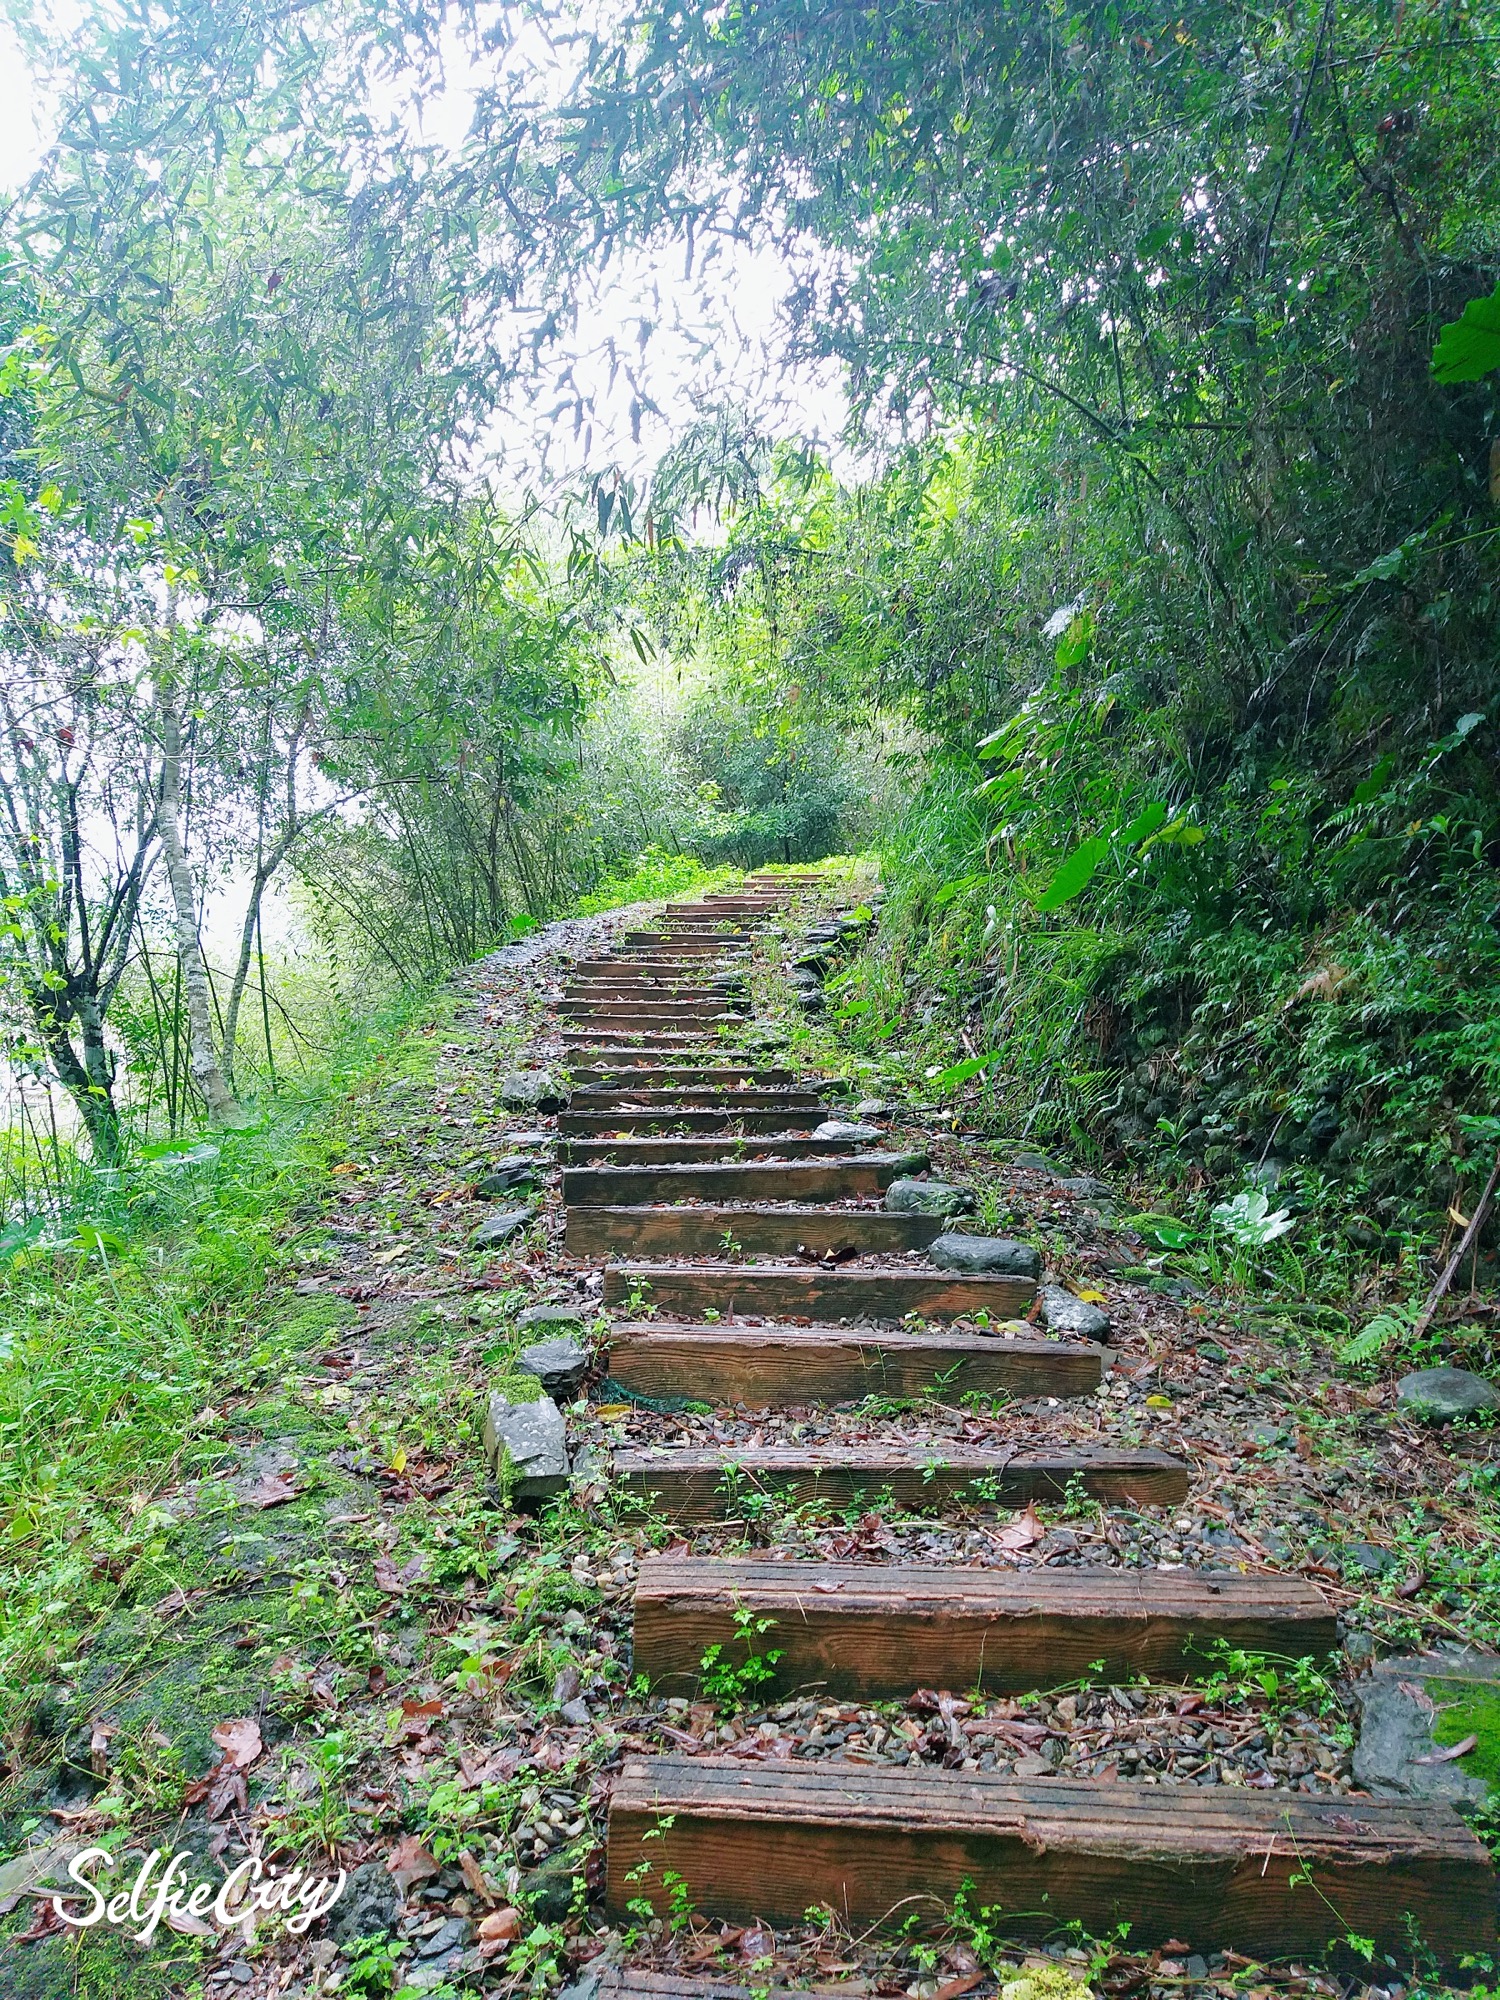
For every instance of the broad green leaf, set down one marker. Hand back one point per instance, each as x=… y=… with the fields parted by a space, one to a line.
x=1074 y=875
x=1145 y=822
x=1469 y=346
x=960 y=1072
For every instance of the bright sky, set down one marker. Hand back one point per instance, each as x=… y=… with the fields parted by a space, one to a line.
x=714 y=336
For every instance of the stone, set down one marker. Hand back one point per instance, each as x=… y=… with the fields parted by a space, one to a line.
x=1398 y=1701
x=1064 y=1312
x=549 y=1891
x=576 y=1713
x=553 y=1319
x=559 y=1365
x=448 y=1936
x=1085 y=1187
x=500 y=1227
x=872 y=1107
x=532 y=1090
x=1368 y=1559
x=534 y=1440
x=369 y=1906
x=1034 y=1163
x=907 y=1197
x=512 y=1174
x=983 y=1254
x=841 y=1128
x=1444 y=1395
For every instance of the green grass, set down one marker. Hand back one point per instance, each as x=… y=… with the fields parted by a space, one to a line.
x=111 y=1356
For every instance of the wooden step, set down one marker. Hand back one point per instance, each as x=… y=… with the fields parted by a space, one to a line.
x=693 y=1097
x=660 y=1013
x=700 y=1232
x=780 y=1366
x=787 y=1291
x=689 y=1484
x=650 y=1073
x=592 y=1039
x=789 y=1180
x=665 y=1118
x=639 y=968
x=670 y=1152
x=1220 y=1869
x=879 y=1631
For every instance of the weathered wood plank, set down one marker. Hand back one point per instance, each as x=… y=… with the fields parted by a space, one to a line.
x=791 y=1180
x=700 y=1232
x=679 y=1152
x=771 y=1367
x=685 y=1484
x=650 y=1072
x=875 y=1630
x=693 y=1097
x=665 y=1118
x=1218 y=1870
x=788 y=1291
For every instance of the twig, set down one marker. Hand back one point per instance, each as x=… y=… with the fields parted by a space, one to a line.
x=1470 y=1236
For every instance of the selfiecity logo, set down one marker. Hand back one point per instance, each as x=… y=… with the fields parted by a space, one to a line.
x=246 y=1890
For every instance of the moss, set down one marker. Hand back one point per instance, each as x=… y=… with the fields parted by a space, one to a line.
x=1470 y=1708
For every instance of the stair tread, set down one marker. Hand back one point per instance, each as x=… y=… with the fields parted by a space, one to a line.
x=1215 y=1867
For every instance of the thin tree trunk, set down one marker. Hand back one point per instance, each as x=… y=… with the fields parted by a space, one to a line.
x=203 y=1058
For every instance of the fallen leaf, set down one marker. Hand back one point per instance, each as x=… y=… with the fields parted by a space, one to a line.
x=390 y=1256
x=475 y=1879
x=387 y=1577
x=240 y=1741
x=1158 y=1402
x=1447 y=1756
x=99 y=1737
x=1022 y=1532
x=272 y=1489
x=409 y=1863
x=610 y=1411
x=500 y=1925
x=347 y=1167
x=1089 y=1299
x=954 y=1987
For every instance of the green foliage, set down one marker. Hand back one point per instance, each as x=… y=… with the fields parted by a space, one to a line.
x=1470 y=347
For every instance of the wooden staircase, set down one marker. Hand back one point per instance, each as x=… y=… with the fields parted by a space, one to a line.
x=692 y=1170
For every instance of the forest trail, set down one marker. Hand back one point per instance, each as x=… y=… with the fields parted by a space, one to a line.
x=747 y=1839
x=1007 y=1586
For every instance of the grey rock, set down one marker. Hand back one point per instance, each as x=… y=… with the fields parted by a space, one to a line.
x=1195 y=1966
x=500 y=1227
x=576 y=1713
x=532 y=1090
x=1398 y=1699
x=1034 y=1163
x=533 y=1438
x=872 y=1107
x=1368 y=1559
x=907 y=1197
x=1086 y=1188
x=553 y=1319
x=516 y=1171
x=370 y=1904
x=1443 y=1395
x=445 y=1938
x=530 y=1139
x=841 y=1128
x=1268 y=1434
x=586 y=1985
x=559 y=1365
x=549 y=1890
x=981 y=1254
x=1062 y=1312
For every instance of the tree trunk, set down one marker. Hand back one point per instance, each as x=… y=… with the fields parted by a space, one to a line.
x=203 y=1059
x=89 y=1081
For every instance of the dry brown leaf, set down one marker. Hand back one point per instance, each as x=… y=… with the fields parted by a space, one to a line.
x=99 y=1736
x=500 y=1925
x=240 y=1741
x=1447 y=1756
x=410 y=1863
x=474 y=1878
x=1023 y=1531
x=272 y=1489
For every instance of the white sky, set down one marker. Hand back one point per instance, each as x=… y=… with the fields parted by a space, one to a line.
x=714 y=339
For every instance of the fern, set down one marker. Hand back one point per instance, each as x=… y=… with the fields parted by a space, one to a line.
x=1379 y=1333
